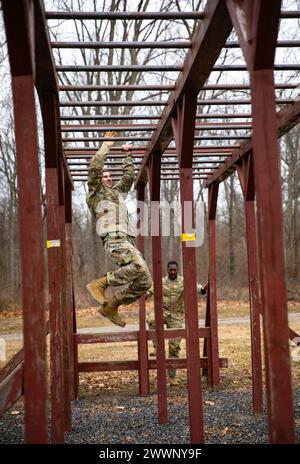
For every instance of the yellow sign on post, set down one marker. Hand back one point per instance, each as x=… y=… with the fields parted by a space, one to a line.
x=188 y=237
x=53 y=243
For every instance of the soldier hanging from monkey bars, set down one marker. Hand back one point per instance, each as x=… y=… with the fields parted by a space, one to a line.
x=106 y=201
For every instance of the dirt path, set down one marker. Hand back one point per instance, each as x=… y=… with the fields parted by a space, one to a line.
x=293 y=317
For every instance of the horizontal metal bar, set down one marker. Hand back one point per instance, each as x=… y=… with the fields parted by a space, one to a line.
x=114 y=167
x=117 y=179
x=166 y=159
x=199 y=148
x=104 y=88
x=127 y=15
x=280 y=43
x=147 y=128
x=118 y=174
x=66 y=104
x=123 y=45
x=164 y=163
x=119 y=117
x=290 y=14
x=80 y=179
x=147 y=15
x=69 y=104
x=162 y=68
x=144 y=139
x=161 y=45
x=84 y=156
x=96 y=127
x=149 y=117
x=118 y=162
x=112 y=68
x=84 y=177
x=196 y=163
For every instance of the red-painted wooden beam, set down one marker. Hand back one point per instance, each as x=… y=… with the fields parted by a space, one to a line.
x=19 y=24
x=246 y=177
x=144 y=386
x=257 y=28
x=155 y=175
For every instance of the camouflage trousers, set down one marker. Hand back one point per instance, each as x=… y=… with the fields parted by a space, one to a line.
x=172 y=321
x=132 y=269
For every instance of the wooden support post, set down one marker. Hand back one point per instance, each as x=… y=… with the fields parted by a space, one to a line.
x=144 y=388
x=158 y=294
x=69 y=287
x=271 y=265
x=55 y=307
x=245 y=171
x=211 y=308
x=257 y=391
x=183 y=128
x=76 y=372
x=18 y=19
x=48 y=109
x=257 y=26
x=66 y=315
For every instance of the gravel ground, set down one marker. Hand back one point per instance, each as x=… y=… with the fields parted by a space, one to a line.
x=120 y=420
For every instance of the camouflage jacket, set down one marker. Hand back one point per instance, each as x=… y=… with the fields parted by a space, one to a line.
x=173 y=294
x=107 y=203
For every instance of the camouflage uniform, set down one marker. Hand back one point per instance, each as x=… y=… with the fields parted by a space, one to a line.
x=173 y=312
x=108 y=205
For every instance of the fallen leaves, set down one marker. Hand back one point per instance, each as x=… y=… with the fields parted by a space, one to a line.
x=210 y=403
x=224 y=431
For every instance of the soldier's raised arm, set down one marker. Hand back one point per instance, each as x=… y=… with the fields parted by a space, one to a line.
x=97 y=163
x=124 y=185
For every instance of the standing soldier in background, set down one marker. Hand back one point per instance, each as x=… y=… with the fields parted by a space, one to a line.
x=107 y=203
x=173 y=310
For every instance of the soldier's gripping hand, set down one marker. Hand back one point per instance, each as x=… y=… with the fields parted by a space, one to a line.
x=205 y=287
x=126 y=147
x=109 y=134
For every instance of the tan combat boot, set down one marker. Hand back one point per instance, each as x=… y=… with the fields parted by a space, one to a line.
x=110 y=310
x=97 y=288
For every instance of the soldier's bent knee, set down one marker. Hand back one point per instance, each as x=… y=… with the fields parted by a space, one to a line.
x=144 y=281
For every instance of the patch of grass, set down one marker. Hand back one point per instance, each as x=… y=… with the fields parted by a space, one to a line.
x=232 y=308
x=9 y=325
x=234 y=344
x=11 y=348
x=226 y=309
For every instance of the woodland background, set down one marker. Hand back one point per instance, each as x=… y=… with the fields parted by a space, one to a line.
x=89 y=257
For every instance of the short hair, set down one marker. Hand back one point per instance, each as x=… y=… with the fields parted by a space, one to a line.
x=172 y=263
